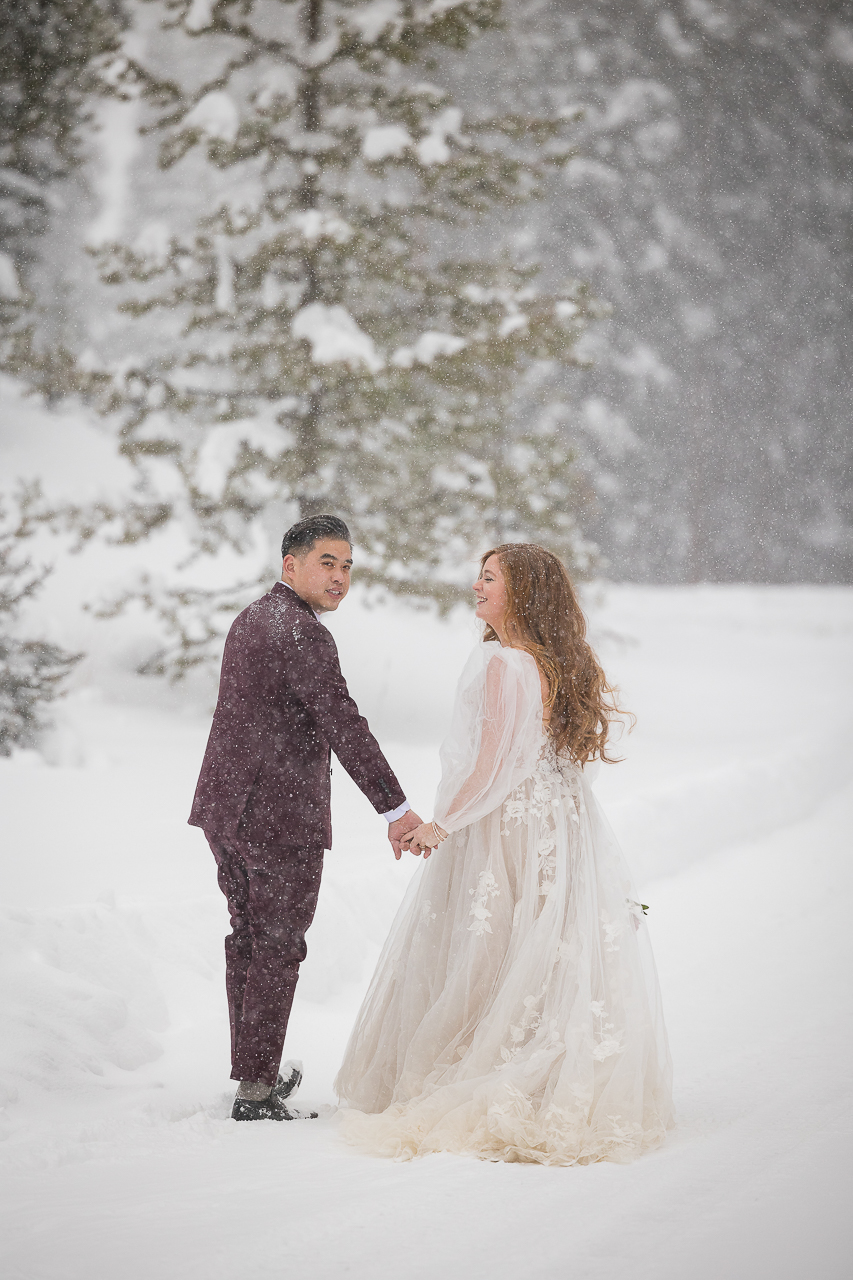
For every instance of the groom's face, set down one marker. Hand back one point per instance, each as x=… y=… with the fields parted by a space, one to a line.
x=322 y=575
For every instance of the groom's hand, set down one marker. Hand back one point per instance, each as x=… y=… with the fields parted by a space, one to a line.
x=425 y=838
x=398 y=829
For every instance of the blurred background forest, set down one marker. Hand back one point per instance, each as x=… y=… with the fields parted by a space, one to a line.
x=572 y=272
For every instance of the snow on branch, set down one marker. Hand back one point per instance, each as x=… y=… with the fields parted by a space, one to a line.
x=10 y=285
x=215 y=115
x=335 y=337
x=318 y=224
x=433 y=149
x=386 y=142
x=392 y=141
x=428 y=346
x=372 y=21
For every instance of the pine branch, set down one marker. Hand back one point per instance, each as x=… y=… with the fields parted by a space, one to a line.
x=32 y=672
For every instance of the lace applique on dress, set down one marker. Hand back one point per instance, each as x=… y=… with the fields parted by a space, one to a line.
x=546 y=849
x=612 y=929
x=530 y=1025
x=487 y=887
x=606 y=1044
x=427 y=916
x=554 y=781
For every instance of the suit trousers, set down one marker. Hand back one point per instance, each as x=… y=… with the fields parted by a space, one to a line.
x=272 y=895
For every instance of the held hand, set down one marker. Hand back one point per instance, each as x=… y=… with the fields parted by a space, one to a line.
x=426 y=837
x=396 y=830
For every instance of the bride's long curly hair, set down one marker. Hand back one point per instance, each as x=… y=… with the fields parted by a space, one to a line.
x=544 y=617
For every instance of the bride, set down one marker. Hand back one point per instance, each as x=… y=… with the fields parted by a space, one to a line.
x=515 y=1013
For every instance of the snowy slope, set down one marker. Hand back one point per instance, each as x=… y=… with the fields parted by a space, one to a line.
x=735 y=806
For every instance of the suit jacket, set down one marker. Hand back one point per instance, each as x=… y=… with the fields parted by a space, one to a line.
x=283 y=707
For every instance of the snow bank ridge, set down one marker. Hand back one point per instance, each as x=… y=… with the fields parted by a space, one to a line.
x=667 y=829
x=81 y=997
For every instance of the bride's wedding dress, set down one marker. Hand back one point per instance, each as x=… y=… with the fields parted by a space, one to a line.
x=515 y=1012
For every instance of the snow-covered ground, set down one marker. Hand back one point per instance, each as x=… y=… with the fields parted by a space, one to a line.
x=735 y=805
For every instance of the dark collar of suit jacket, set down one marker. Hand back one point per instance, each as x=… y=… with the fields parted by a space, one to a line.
x=281 y=586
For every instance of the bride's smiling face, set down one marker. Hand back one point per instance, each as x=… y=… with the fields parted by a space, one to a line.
x=490 y=592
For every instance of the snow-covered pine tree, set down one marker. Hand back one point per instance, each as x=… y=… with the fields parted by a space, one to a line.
x=349 y=338
x=32 y=672
x=54 y=54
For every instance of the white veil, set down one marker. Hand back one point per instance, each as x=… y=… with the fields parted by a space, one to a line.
x=495 y=735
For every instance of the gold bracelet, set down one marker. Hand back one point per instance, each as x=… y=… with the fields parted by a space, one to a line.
x=435 y=833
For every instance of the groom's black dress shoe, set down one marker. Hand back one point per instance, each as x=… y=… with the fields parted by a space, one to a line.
x=272 y=1108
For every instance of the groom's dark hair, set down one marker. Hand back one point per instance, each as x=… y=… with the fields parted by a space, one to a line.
x=301 y=537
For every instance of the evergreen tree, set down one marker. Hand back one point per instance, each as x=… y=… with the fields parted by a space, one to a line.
x=54 y=54
x=348 y=342
x=32 y=672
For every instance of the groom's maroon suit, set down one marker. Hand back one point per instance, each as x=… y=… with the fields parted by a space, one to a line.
x=263 y=801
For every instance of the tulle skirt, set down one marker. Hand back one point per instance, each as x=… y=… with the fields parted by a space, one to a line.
x=515 y=1012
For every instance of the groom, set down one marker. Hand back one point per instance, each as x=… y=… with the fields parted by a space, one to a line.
x=263 y=795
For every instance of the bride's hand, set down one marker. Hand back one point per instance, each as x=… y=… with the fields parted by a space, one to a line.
x=425 y=838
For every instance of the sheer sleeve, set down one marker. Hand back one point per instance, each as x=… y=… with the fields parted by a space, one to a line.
x=495 y=735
